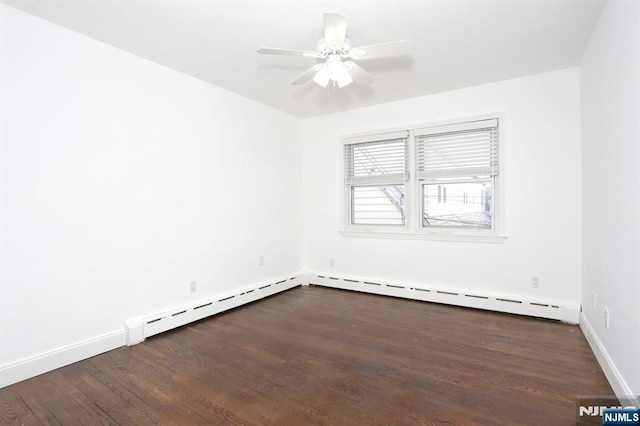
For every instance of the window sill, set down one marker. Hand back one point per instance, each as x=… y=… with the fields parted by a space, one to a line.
x=435 y=236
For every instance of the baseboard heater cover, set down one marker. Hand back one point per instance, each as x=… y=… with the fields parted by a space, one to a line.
x=139 y=329
x=508 y=304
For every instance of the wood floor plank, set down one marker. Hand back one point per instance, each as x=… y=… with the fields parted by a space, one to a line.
x=109 y=403
x=15 y=410
x=314 y=355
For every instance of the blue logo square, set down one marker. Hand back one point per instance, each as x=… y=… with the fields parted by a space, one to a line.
x=621 y=416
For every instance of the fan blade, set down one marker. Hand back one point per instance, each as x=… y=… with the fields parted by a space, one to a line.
x=335 y=30
x=390 y=48
x=307 y=75
x=287 y=52
x=358 y=74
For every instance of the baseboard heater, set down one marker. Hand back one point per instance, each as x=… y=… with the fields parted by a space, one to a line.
x=139 y=329
x=471 y=299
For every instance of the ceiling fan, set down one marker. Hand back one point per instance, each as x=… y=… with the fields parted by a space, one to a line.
x=338 y=55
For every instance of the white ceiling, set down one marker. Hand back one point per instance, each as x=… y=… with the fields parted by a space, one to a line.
x=457 y=43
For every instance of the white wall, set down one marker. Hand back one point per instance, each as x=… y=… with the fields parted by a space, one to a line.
x=610 y=110
x=542 y=176
x=122 y=181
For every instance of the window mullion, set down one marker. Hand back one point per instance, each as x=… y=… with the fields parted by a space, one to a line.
x=411 y=191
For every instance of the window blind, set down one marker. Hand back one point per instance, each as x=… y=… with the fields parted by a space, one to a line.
x=465 y=149
x=382 y=161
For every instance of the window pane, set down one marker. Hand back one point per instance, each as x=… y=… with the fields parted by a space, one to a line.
x=377 y=158
x=377 y=205
x=458 y=153
x=460 y=205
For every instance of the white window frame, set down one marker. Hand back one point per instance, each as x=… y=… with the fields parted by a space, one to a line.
x=377 y=181
x=413 y=228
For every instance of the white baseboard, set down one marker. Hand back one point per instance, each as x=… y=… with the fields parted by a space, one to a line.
x=137 y=329
x=458 y=297
x=48 y=361
x=617 y=382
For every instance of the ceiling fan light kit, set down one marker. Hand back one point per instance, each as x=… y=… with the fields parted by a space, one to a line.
x=334 y=49
x=335 y=70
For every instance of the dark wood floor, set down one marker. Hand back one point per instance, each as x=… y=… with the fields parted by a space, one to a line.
x=314 y=355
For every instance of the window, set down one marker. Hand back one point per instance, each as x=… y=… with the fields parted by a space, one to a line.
x=376 y=173
x=430 y=180
x=460 y=160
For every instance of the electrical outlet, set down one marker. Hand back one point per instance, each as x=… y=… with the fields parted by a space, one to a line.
x=594 y=300
x=193 y=286
x=535 y=282
x=332 y=262
x=606 y=317
x=261 y=260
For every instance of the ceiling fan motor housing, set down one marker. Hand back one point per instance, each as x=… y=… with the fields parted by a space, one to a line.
x=326 y=51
